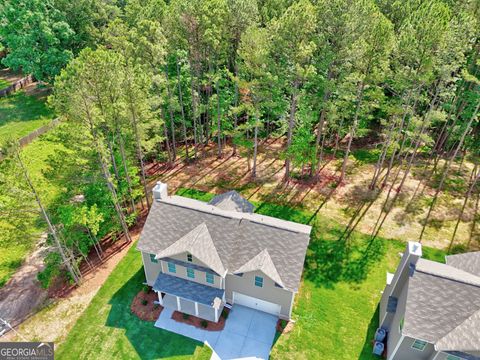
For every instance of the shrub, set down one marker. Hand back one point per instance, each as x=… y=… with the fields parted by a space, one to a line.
x=144 y=302
x=145 y=289
x=185 y=316
x=204 y=324
x=283 y=323
x=225 y=314
x=156 y=306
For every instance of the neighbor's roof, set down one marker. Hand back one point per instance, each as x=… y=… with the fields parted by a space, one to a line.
x=469 y=262
x=442 y=307
x=241 y=240
x=232 y=201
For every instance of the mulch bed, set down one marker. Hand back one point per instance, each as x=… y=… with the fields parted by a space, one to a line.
x=143 y=306
x=284 y=326
x=197 y=322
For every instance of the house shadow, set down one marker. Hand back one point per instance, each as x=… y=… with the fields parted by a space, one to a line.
x=367 y=349
x=148 y=341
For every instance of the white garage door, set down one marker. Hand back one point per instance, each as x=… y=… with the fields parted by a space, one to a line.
x=255 y=303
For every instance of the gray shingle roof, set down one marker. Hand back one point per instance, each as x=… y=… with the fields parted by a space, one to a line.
x=440 y=303
x=197 y=242
x=232 y=201
x=263 y=262
x=469 y=262
x=237 y=237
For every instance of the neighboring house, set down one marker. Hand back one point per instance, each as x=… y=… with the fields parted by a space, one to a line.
x=199 y=256
x=431 y=311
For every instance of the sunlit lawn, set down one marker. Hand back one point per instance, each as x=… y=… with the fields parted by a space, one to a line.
x=107 y=329
x=20 y=114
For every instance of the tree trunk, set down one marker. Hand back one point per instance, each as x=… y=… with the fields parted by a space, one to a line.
x=219 y=122
x=353 y=129
x=74 y=272
x=235 y=116
x=172 y=119
x=255 y=148
x=473 y=181
x=291 y=123
x=447 y=168
x=184 y=123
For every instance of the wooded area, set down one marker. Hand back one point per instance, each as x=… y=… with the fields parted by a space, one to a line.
x=143 y=81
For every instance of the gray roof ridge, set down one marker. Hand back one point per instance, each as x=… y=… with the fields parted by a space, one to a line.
x=253 y=217
x=450 y=273
x=439 y=343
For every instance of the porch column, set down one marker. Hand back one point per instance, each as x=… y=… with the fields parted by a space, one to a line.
x=196 y=309
x=179 y=308
x=216 y=314
x=160 y=300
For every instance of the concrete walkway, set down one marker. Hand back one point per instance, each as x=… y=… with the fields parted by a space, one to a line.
x=248 y=333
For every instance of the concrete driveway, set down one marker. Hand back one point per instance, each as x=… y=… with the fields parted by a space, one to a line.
x=248 y=333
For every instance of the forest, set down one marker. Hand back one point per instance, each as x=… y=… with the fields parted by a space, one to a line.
x=392 y=83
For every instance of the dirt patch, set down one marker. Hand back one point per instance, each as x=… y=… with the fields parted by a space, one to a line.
x=144 y=307
x=284 y=326
x=201 y=323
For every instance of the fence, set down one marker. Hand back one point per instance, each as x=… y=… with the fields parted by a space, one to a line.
x=27 y=139
x=17 y=85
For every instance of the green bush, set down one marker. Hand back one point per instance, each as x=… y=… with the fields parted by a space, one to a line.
x=225 y=314
x=51 y=270
x=145 y=289
x=185 y=316
x=204 y=324
x=144 y=302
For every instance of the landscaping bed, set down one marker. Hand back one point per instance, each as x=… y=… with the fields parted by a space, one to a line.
x=201 y=323
x=144 y=306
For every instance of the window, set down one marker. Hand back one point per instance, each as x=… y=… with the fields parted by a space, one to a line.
x=172 y=268
x=191 y=273
x=189 y=258
x=152 y=258
x=258 y=281
x=419 y=345
x=239 y=274
x=209 y=278
x=453 y=357
x=278 y=285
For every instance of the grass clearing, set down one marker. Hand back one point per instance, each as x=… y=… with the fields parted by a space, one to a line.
x=20 y=114
x=107 y=329
x=3 y=84
x=36 y=156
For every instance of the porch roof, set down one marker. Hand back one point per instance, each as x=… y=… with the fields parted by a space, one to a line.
x=187 y=289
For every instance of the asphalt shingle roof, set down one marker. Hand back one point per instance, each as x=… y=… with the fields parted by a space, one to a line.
x=237 y=237
x=232 y=201
x=442 y=307
x=469 y=262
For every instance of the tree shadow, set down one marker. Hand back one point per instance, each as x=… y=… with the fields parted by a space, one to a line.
x=331 y=261
x=148 y=341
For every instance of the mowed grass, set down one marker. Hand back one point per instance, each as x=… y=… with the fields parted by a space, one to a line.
x=107 y=329
x=36 y=156
x=336 y=308
x=20 y=114
x=3 y=84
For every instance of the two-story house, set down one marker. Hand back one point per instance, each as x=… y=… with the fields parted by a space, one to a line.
x=198 y=256
x=430 y=310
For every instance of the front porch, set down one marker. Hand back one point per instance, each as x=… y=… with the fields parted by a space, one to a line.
x=189 y=297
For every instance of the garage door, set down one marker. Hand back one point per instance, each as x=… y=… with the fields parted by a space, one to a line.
x=255 y=303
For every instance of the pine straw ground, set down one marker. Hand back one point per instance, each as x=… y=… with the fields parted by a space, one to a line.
x=324 y=197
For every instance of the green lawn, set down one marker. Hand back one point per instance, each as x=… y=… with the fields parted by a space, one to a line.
x=107 y=329
x=36 y=156
x=20 y=114
x=3 y=84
